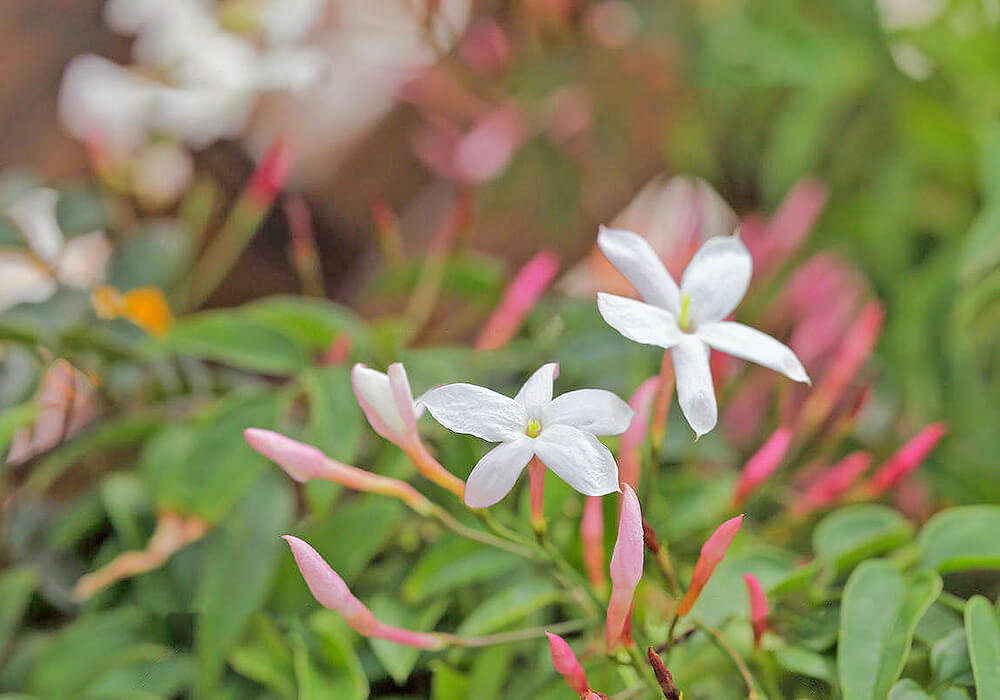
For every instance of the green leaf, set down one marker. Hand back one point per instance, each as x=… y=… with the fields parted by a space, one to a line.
x=984 y=646
x=879 y=613
x=950 y=659
x=152 y=257
x=937 y=623
x=959 y=539
x=312 y=324
x=237 y=570
x=805 y=662
x=491 y=670
x=265 y=657
x=335 y=422
x=13 y=418
x=396 y=659
x=447 y=683
x=235 y=340
x=908 y=689
x=164 y=675
x=16 y=586
x=509 y=606
x=725 y=594
x=453 y=563
x=336 y=649
x=858 y=532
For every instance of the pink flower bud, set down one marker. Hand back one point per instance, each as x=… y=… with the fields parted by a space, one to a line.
x=520 y=297
x=271 y=173
x=854 y=350
x=485 y=47
x=331 y=592
x=906 y=459
x=834 y=483
x=484 y=151
x=712 y=552
x=592 y=539
x=626 y=566
x=763 y=464
x=387 y=402
x=773 y=243
x=304 y=462
x=758 y=607
x=566 y=664
x=630 y=447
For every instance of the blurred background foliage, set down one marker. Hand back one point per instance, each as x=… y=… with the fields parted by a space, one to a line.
x=895 y=107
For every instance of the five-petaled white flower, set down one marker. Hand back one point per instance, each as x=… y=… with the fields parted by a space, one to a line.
x=560 y=432
x=689 y=320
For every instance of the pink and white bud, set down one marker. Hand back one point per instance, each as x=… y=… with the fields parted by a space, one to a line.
x=592 y=540
x=763 y=464
x=486 y=149
x=485 y=47
x=331 y=592
x=626 y=566
x=906 y=459
x=630 y=446
x=759 y=608
x=387 y=402
x=520 y=297
x=304 y=463
x=567 y=665
x=834 y=483
x=712 y=552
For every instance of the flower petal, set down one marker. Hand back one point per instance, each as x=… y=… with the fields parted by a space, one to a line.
x=695 y=392
x=536 y=393
x=717 y=278
x=475 y=410
x=24 y=280
x=84 y=260
x=35 y=215
x=632 y=255
x=374 y=393
x=638 y=321
x=402 y=395
x=578 y=458
x=595 y=410
x=750 y=344
x=494 y=476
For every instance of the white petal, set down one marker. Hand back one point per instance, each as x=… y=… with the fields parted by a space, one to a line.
x=374 y=393
x=595 y=410
x=35 y=215
x=579 y=459
x=695 y=392
x=536 y=393
x=402 y=395
x=494 y=476
x=636 y=259
x=750 y=344
x=23 y=280
x=638 y=321
x=717 y=278
x=84 y=260
x=475 y=410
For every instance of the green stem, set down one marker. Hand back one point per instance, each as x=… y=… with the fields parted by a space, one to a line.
x=446 y=519
x=737 y=660
x=523 y=634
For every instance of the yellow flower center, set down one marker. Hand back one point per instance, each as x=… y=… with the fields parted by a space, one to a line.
x=534 y=427
x=685 y=322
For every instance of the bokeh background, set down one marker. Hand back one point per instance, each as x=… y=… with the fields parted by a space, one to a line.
x=501 y=129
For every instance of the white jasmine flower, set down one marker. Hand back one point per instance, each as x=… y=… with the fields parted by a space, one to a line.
x=689 y=321
x=388 y=403
x=33 y=275
x=560 y=432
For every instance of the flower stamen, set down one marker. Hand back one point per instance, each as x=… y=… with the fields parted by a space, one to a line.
x=685 y=322
x=534 y=427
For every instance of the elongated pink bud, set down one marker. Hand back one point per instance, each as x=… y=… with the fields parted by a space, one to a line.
x=850 y=357
x=331 y=592
x=626 y=566
x=712 y=552
x=567 y=665
x=592 y=539
x=630 y=446
x=906 y=459
x=788 y=227
x=304 y=462
x=834 y=483
x=763 y=464
x=520 y=297
x=758 y=607
x=270 y=175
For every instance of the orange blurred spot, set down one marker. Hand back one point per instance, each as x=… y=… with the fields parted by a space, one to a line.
x=146 y=307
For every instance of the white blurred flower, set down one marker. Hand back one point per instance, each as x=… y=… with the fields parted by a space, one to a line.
x=560 y=432
x=689 y=320
x=161 y=173
x=33 y=275
x=388 y=403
